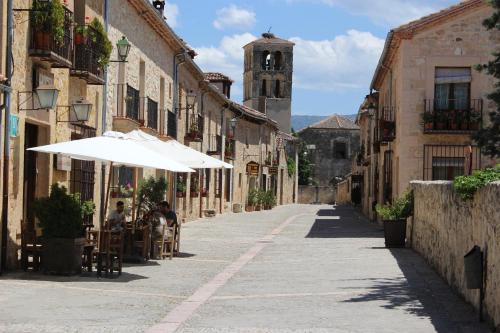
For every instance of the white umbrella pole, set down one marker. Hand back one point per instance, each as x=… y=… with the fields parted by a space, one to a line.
x=107 y=191
x=134 y=212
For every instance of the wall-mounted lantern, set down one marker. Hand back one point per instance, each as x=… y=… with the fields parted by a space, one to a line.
x=81 y=110
x=46 y=95
x=123 y=47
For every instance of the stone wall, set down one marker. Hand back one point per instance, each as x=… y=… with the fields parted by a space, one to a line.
x=307 y=194
x=445 y=228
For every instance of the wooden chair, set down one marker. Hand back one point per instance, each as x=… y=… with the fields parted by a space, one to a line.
x=91 y=249
x=31 y=249
x=177 y=238
x=165 y=245
x=143 y=245
x=110 y=255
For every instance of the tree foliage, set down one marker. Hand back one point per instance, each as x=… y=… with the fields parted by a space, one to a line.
x=488 y=138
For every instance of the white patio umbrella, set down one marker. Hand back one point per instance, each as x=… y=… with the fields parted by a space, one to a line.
x=178 y=152
x=117 y=149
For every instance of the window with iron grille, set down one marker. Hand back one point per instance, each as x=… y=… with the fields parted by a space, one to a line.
x=445 y=162
x=133 y=103
x=171 y=124
x=82 y=177
x=152 y=114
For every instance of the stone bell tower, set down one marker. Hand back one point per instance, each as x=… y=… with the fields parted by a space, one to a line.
x=267 y=78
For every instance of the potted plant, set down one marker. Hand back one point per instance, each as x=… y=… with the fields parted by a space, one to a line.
x=181 y=188
x=394 y=217
x=194 y=188
x=428 y=121
x=260 y=200
x=100 y=41
x=47 y=19
x=441 y=120
x=61 y=217
x=474 y=120
x=252 y=200
x=81 y=34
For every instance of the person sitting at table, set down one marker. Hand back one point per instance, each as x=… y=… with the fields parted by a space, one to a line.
x=116 y=219
x=163 y=215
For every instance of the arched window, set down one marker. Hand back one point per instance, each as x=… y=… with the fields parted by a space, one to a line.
x=263 y=90
x=277 y=89
x=278 y=60
x=266 y=60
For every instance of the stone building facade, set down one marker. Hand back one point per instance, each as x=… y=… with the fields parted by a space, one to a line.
x=429 y=101
x=267 y=78
x=335 y=141
x=149 y=92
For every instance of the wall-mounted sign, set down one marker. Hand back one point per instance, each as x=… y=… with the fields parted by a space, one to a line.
x=253 y=169
x=273 y=170
x=14 y=125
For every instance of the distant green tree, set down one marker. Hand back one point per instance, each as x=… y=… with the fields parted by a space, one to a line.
x=488 y=138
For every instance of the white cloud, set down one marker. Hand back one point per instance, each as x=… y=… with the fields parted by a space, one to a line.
x=234 y=17
x=343 y=63
x=171 y=12
x=386 y=12
x=226 y=58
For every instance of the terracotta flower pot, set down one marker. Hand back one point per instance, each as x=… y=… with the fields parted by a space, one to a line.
x=180 y=194
x=42 y=40
x=249 y=208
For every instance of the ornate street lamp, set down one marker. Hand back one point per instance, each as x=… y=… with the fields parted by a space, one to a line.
x=371 y=109
x=191 y=99
x=123 y=47
x=233 y=123
x=47 y=96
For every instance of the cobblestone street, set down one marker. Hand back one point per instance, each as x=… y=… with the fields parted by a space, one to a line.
x=293 y=269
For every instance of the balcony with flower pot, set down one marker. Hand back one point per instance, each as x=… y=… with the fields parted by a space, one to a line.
x=92 y=52
x=194 y=131
x=51 y=33
x=452 y=116
x=386 y=124
x=229 y=152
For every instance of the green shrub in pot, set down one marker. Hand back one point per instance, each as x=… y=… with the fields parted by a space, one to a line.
x=400 y=208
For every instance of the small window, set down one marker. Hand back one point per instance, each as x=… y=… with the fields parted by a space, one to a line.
x=277 y=89
x=263 y=91
x=452 y=88
x=266 y=61
x=278 y=60
x=340 y=150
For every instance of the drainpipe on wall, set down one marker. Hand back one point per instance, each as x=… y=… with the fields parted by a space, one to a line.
x=104 y=120
x=6 y=147
x=175 y=102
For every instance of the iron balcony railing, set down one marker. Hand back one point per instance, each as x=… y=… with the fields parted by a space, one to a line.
x=230 y=149
x=47 y=46
x=133 y=103
x=88 y=51
x=386 y=124
x=171 y=125
x=195 y=128
x=152 y=114
x=214 y=144
x=452 y=115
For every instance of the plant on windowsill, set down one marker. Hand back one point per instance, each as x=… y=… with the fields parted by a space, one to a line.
x=61 y=217
x=394 y=216
x=428 y=121
x=47 y=19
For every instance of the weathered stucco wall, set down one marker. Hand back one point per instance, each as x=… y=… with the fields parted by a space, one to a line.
x=445 y=228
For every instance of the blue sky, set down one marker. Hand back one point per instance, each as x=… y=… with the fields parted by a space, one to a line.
x=338 y=42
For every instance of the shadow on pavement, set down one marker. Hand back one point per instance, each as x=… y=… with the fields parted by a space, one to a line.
x=84 y=277
x=420 y=291
x=343 y=223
